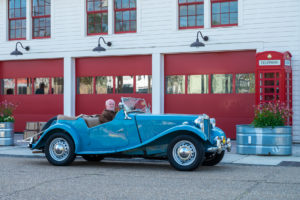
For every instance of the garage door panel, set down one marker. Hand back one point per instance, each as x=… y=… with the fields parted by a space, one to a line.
x=223 y=83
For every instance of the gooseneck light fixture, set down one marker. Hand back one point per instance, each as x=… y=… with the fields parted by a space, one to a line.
x=99 y=47
x=198 y=43
x=16 y=52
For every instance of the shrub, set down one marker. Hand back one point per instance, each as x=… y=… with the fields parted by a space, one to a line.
x=6 y=111
x=271 y=114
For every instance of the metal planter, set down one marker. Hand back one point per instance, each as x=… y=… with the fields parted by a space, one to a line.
x=264 y=141
x=6 y=133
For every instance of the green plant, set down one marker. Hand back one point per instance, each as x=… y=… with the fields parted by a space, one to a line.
x=271 y=114
x=6 y=111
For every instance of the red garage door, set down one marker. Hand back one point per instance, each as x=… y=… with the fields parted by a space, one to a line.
x=35 y=86
x=221 y=85
x=98 y=79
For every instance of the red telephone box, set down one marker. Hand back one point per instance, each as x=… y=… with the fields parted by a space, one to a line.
x=273 y=78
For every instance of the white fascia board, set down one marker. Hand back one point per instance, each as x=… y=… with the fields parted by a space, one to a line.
x=258 y=46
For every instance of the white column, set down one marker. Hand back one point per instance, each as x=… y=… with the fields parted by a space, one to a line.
x=158 y=83
x=110 y=17
x=28 y=21
x=4 y=11
x=207 y=14
x=69 y=86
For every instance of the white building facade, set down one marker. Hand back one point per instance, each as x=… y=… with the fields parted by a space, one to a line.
x=156 y=35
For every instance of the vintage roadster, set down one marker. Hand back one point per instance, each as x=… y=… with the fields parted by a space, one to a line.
x=187 y=141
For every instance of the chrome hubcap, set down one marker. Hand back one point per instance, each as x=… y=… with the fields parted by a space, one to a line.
x=184 y=152
x=59 y=149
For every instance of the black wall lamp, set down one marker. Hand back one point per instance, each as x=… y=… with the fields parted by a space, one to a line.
x=99 y=47
x=198 y=43
x=16 y=52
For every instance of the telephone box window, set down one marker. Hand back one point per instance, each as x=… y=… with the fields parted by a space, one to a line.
x=175 y=84
x=104 y=85
x=221 y=83
x=85 y=85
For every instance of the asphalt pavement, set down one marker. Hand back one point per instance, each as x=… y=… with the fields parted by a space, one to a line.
x=20 y=150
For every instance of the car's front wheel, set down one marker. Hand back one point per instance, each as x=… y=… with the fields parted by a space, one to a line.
x=213 y=159
x=60 y=149
x=92 y=158
x=185 y=153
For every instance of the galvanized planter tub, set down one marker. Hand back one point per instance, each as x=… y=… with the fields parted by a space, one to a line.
x=6 y=133
x=264 y=141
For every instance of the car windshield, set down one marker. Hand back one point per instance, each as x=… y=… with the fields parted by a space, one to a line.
x=135 y=104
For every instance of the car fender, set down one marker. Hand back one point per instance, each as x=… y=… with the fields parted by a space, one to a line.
x=180 y=128
x=41 y=142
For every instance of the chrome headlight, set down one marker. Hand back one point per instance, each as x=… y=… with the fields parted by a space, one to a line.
x=200 y=121
x=213 y=122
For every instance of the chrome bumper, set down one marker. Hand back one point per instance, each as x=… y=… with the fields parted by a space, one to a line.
x=31 y=140
x=221 y=146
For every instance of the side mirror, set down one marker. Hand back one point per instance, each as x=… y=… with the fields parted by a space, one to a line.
x=121 y=105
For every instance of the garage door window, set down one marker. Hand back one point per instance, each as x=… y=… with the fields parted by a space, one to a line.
x=221 y=83
x=8 y=86
x=17 y=19
x=124 y=84
x=175 y=84
x=104 y=85
x=198 y=84
x=57 y=85
x=97 y=20
x=85 y=85
x=224 y=13
x=125 y=16
x=24 y=86
x=245 y=83
x=143 y=84
x=191 y=14
x=41 y=85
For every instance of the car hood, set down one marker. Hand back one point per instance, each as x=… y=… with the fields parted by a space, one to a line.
x=150 y=125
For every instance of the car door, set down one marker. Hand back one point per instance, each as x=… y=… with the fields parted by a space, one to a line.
x=116 y=134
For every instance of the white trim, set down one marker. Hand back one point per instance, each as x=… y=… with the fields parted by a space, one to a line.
x=69 y=86
x=240 y=12
x=157 y=83
x=52 y=20
x=139 y=51
x=110 y=16
x=29 y=20
x=138 y=16
x=175 y=18
x=84 y=18
x=207 y=14
x=4 y=10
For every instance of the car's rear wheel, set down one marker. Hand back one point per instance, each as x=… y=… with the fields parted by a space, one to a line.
x=60 y=149
x=92 y=158
x=213 y=159
x=185 y=153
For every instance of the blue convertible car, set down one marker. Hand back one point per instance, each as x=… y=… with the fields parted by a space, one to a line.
x=187 y=141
